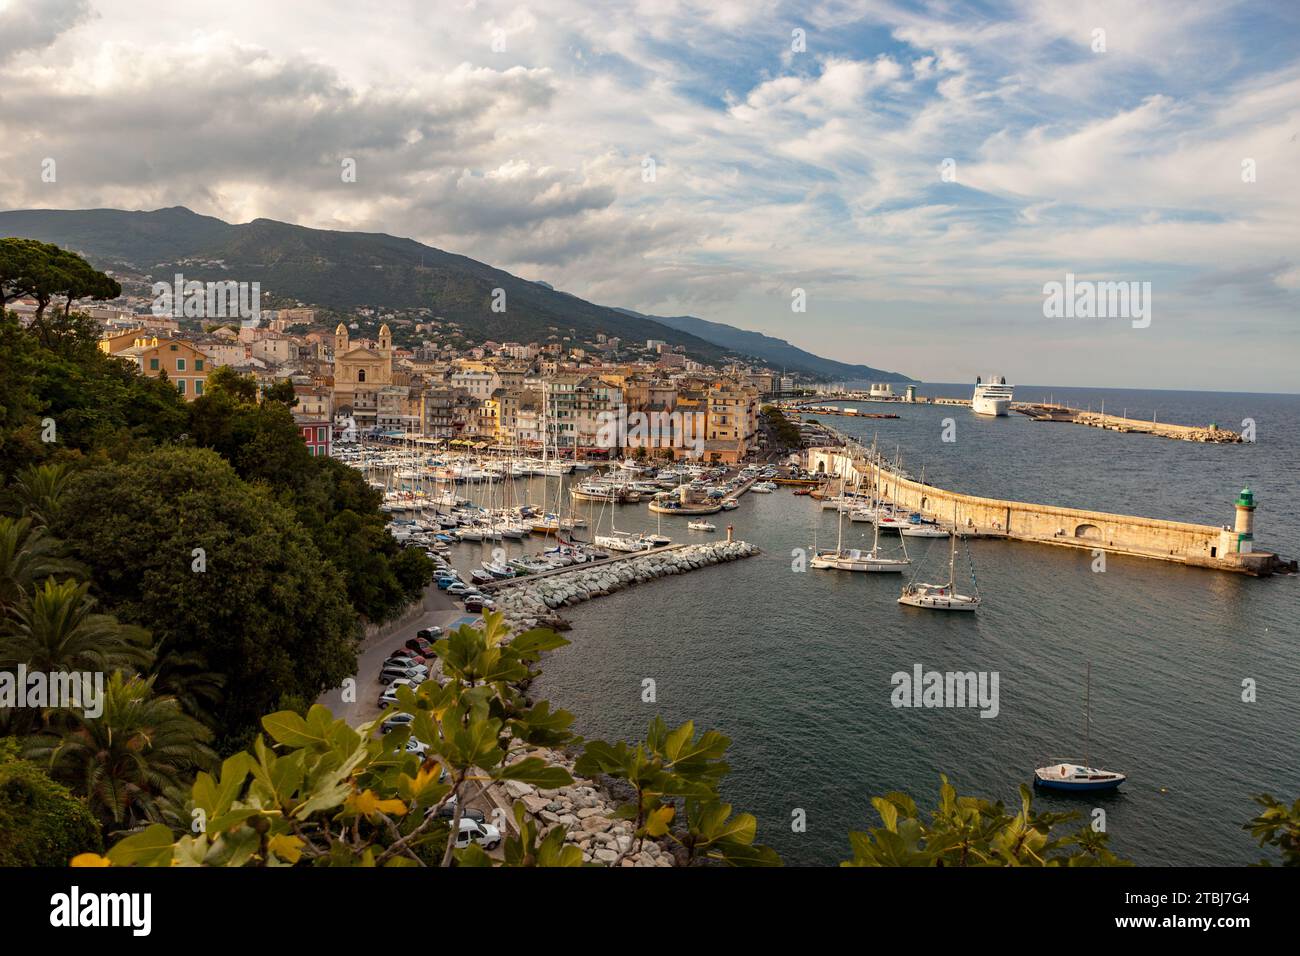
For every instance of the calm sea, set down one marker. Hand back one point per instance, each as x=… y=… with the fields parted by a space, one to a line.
x=796 y=667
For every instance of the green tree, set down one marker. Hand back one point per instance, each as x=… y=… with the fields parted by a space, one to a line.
x=38 y=490
x=28 y=555
x=45 y=272
x=123 y=761
x=413 y=570
x=93 y=401
x=41 y=822
x=282 y=392
x=58 y=630
x=332 y=501
x=969 y=831
x=176 y=542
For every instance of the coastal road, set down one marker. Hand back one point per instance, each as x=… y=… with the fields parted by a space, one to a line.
x=439 y=610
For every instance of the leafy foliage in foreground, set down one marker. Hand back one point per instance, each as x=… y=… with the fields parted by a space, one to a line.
x=969 y=831
x=1277 y=826
x=325 y=794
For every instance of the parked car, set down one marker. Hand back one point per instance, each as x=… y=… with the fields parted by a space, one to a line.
x=417 y=747
x=417 y=674
x=396 y=722
x=408 y=657
x=405 y=660
x=389 y=697
x=447 y=810
x=484 y=834
x=457 y=588
x=429 y=633
x=420 y=646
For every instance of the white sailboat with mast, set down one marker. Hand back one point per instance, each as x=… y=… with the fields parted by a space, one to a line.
x=1074 y=777
x=942 y=597
x=855 y=559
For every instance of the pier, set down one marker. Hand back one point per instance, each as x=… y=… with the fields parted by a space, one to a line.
x=1226 y=548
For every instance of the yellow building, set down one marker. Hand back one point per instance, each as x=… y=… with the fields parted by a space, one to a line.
x=183 y=364
x=360 y=374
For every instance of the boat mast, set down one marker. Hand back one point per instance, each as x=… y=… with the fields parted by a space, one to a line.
x=839 y=521
x=952 y=554
x=1087 y=713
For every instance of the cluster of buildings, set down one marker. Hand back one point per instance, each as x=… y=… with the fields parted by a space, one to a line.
x=499 y=395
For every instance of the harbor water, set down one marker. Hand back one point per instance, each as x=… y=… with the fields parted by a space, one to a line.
x=796 y=666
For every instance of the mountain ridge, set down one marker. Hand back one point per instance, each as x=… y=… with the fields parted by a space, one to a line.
x=346 y=270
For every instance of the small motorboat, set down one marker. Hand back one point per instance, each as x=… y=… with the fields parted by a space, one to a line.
x=500 y=571
x=481 y=577
x=730 y=504
x=702 y=526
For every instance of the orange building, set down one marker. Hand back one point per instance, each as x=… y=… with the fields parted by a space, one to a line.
x=184 y=365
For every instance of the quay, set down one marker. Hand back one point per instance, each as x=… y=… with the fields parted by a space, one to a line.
x=1226 y=548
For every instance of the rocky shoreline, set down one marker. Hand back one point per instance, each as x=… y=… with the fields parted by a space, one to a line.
x=586 y=809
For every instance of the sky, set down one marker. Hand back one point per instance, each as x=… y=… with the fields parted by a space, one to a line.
x=912 y=173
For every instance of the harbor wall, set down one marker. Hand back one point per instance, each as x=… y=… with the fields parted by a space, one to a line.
x=1183 y=542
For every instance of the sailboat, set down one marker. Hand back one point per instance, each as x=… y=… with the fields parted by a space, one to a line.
x=941 y=597
x=855 y=559
x=1073 y=777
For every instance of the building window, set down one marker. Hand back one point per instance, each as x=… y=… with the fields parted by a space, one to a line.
x=198 y=387
x=320 y=433
x=180 y=385
x=198 y=365
x=180 y=365
x=153 y=365
x=174 y=349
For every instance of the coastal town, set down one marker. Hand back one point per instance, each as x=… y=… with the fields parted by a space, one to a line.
x=351 y=383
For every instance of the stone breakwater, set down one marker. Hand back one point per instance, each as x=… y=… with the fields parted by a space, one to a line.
x=585 y=811
x=528 y=603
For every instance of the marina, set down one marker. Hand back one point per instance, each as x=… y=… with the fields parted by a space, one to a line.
x=802 y=658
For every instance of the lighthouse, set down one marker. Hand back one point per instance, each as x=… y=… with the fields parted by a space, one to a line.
x=1245 y=528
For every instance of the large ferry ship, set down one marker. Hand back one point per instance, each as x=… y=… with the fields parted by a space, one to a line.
x=992 y=397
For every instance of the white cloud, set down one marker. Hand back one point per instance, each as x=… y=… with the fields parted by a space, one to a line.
x=818 y=168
